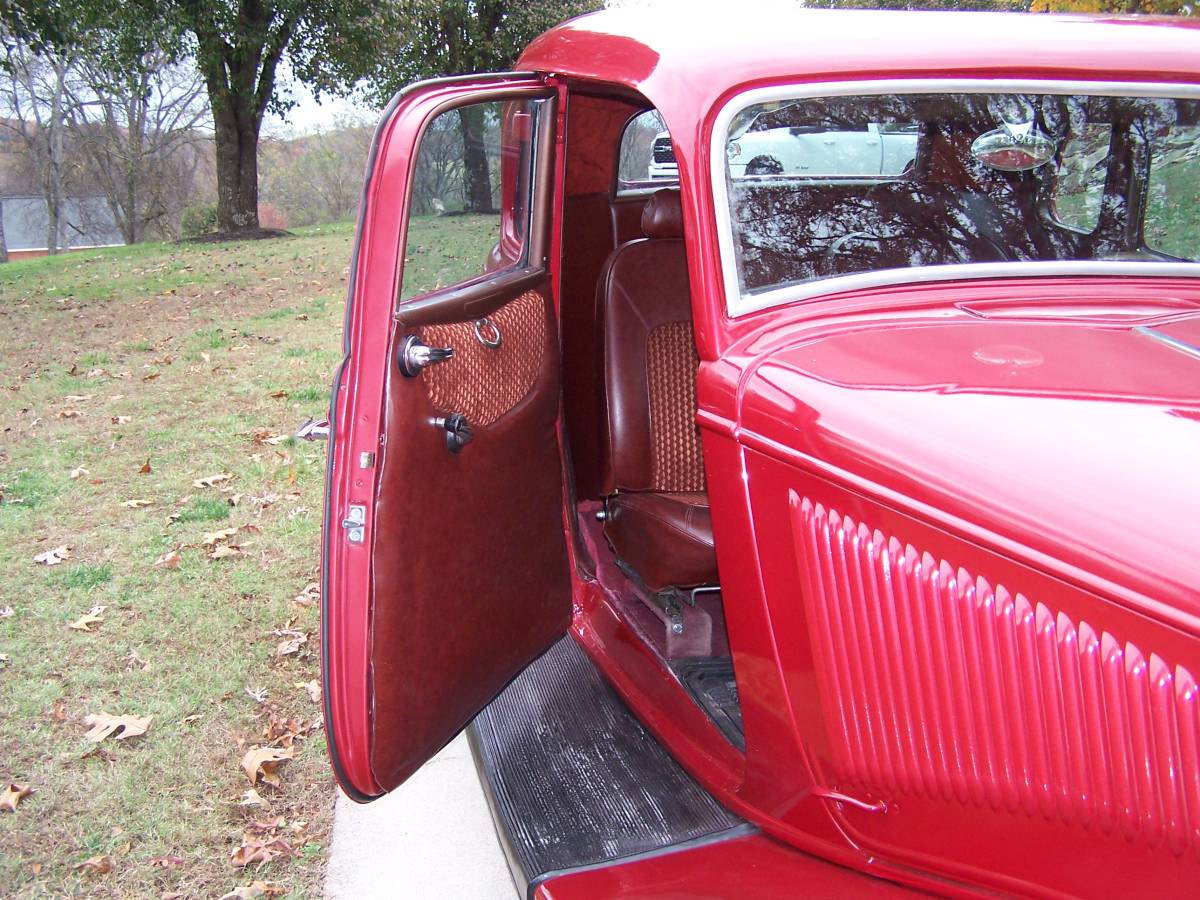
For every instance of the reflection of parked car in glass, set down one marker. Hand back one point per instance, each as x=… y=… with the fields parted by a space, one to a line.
x=870 y=151
x=662 y=158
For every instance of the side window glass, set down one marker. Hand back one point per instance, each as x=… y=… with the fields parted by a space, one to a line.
x=1173 y=197
x=647 y=159
x=471 y=195
x=1079 y=185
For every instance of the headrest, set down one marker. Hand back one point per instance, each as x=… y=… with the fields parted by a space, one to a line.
x=663 y=215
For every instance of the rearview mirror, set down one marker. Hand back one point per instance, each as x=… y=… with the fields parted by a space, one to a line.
x=1014 y=148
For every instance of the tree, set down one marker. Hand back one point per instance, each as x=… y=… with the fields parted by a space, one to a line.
x=238 y=46
x=136 y=134
x=33 y=101
x=431 y=38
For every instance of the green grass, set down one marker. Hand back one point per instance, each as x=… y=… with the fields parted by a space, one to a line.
x=170 y=352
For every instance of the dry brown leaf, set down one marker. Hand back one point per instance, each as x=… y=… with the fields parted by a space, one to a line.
x=212 y=538
x=167 y=862
x=277 y=395
x=102 y=725
x=93 y=616
x=145 y=469
x=224 y=551
x=264 y=762
x=122 y=420
x=233 y=499
x=310 y=596
x=96 y=865
x=77 y=398
x=255 y=851
x=312 y=688
x=12 y=795
x=150 y=376
x=79 y=472
x=252 y=798
x=292 y=644
x=68 y=414
x=53 y=557
x=169 y=560
x=137 y=504
x=212 y=480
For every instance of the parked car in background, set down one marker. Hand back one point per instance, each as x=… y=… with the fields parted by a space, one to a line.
x=829 y=530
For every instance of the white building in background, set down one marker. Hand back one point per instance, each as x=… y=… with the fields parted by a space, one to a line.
x=85 y=222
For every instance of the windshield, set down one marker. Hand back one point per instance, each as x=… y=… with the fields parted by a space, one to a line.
x=820 y=188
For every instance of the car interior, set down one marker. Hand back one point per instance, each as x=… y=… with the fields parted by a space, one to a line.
x=644 y=532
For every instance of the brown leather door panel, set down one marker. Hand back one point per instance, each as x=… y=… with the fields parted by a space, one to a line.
x=470 y=579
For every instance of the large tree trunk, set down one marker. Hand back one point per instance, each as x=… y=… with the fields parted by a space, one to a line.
x=477 y=179
x=236 y=137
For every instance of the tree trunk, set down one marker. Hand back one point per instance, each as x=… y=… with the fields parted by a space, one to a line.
x=477 y=179
x=236 y=135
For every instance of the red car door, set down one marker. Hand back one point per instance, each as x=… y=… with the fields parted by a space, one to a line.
x=445 y=568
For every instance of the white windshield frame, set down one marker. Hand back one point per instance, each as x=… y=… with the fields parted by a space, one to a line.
x=738 y=303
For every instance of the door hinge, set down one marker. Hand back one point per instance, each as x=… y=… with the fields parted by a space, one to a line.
x=355 y=524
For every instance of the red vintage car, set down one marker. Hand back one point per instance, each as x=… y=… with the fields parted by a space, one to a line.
x=809 y=527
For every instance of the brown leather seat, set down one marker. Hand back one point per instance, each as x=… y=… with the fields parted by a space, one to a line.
x=658 y=520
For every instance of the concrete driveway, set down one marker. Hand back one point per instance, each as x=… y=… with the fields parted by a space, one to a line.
x=430 y=838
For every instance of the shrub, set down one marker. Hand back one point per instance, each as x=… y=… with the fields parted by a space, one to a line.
x=199 y=219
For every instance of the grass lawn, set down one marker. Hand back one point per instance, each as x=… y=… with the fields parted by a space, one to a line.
x=129 y=378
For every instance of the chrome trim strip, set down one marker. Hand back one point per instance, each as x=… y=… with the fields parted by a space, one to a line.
x=1173 y=342
x=738 y=304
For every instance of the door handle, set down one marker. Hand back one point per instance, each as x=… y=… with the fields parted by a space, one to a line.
x=458 y=431
x=414 y=355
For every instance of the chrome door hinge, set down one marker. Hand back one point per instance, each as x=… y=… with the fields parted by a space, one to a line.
x=355 y=524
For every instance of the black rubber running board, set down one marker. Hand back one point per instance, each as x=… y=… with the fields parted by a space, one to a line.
x=574 y=780
x=710 y=681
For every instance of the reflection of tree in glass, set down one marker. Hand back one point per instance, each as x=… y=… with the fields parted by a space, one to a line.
x=458 y=163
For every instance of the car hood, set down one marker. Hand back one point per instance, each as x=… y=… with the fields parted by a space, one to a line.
x=1076 y=440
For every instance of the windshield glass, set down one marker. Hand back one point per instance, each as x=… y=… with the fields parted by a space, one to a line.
x=819 y=188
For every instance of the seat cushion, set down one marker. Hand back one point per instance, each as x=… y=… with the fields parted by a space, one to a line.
x=665 y=537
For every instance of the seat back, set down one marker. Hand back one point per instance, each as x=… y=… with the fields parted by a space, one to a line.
x=651 y=439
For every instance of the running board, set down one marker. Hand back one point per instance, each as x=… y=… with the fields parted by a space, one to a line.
x=574 y=780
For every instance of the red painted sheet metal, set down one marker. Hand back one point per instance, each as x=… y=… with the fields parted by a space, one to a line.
x=937 y=684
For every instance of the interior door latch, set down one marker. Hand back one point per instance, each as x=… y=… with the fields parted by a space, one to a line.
x=458 y=431
x=414 y=355
x=355 y=524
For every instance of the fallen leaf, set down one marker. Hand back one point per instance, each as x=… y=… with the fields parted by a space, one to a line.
x=77 y=398
x=233 y=499
x=312 y=688
x=258 y=695
x=58 y=711
x=252 y=798
x=102 y=725
x=302 y=317
x=133 y=661
x=6 y=612
x=53 y=557
x=264 y=762
x=68 y=414
x=212 y=538
x=137 y=504
x=167 y=862
x=253 y=851
x=96 y=865
x=277 y=395
x=211 y=480
x=145 y=469
x=150 y=376
x=169 y=560
x=225 y=551
x=93 y=616
x=292 y=645
x=79 y=472
x=310 y=596
x=122 y=420
x=12 y=795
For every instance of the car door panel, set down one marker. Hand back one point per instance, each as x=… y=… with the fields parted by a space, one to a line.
x=444 y=573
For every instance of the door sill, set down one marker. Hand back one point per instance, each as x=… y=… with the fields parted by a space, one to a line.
x=575 y=781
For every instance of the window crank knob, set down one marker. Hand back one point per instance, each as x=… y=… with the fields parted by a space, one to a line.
x=415 y=355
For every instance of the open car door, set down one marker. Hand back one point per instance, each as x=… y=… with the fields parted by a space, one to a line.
x=445 y=563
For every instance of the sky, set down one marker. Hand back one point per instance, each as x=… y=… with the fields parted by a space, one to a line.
x=310 y=115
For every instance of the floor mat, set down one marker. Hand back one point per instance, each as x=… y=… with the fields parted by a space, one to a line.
x=573 y=777
x=711 y=683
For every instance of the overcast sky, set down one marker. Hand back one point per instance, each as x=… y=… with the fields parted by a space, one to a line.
x=308 y=115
